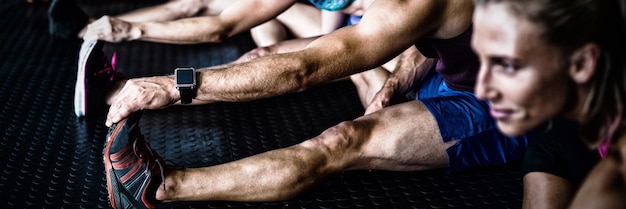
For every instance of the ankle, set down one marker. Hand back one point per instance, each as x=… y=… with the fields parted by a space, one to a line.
x=167 y=189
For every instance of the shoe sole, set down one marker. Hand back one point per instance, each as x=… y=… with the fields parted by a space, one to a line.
x=108 y=163
x=113 y=183
x=80 y=96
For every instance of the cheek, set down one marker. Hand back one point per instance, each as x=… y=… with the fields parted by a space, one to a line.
x=533 y=102
x=539 y=103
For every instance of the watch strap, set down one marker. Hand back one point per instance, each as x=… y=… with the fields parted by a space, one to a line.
x=186 y=94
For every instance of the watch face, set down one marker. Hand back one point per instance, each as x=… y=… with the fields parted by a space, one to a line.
x=185 y=76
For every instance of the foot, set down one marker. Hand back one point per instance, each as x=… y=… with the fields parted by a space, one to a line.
x=66 y=19
x=95 y=77
x=131 y=166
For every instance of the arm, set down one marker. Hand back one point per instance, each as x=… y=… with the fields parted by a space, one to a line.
x=386 y=34
x=240 y=16
x=544 y=190
x=605 y=186
x=388 y=28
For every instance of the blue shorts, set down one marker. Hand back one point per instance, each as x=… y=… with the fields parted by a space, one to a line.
x=461 y=116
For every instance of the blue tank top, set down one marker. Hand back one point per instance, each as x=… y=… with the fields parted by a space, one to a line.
x=457 y=63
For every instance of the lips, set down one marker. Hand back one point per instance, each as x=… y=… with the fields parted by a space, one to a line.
x=501 y=114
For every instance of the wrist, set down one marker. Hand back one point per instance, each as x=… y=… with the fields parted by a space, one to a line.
x=186 y=84
x=171 y=89
x=135 y=31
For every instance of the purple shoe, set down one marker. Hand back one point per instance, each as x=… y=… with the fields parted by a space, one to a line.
x=95 y=77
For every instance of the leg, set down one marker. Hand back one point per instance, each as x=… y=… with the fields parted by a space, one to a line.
x=368 y=83
x=299 y=21
x=65 y=18
x=544 y=190
x=401 y=138
x=280 y=47
x=269 y=33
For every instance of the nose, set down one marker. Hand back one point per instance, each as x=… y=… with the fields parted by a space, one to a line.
x=482 y=89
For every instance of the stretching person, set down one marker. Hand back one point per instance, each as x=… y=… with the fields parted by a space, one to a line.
x=199 y=21
x=444 y=127
x=534 y=69
x=228 y=19
x=102 y=75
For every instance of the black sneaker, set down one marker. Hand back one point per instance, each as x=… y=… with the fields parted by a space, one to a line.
x=131 y=166
x=66 y=19
x=95 y=77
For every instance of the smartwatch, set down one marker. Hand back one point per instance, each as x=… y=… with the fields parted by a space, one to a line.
x=185 y=83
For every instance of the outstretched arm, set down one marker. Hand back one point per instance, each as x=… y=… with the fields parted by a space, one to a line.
x=236 y=18
x=387 y=28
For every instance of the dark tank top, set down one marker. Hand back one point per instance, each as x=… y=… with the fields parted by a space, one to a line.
x=457 y=63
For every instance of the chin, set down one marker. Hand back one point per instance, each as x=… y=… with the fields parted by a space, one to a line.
x=511 y=129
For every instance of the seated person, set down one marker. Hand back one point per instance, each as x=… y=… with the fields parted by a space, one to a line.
x=368 y=82
x=201 y=21
x=533 y=69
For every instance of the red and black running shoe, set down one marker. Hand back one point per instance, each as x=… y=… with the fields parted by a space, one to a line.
x=131 y=166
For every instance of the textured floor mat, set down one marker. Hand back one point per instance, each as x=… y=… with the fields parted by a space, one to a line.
x=51 y=159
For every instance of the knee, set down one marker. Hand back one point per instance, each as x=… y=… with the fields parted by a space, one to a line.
x=337 y=139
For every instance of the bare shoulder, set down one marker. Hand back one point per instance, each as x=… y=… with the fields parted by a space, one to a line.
x=455 y=19
x=432 y=18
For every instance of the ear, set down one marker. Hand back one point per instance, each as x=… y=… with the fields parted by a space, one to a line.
x=584 y=63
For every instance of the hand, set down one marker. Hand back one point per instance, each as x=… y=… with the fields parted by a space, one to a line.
x=142 y=93
x=253 y=54
x=110 y=29
x=382 y=97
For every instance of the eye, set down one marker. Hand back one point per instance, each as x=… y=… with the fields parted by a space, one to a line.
x=504 y=65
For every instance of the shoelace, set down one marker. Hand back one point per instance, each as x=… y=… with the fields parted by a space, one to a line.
x=110 y=70
x=151 y=157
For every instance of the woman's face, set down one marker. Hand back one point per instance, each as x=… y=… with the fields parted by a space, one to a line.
x=523 y=78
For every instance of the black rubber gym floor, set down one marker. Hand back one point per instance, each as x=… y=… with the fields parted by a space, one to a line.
x=49 y=158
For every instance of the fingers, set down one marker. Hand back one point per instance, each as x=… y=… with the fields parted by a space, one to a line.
x=138 y=94
x=107 y=29
x=123 y=103
x=120 y=108
x=117 y=113
x=379 y=102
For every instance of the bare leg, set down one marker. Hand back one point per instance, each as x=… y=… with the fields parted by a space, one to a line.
x=404 y=137
x=543 y=190
x=269 y=33
x=300 y=21
x=368 y=83
x=281 y=47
